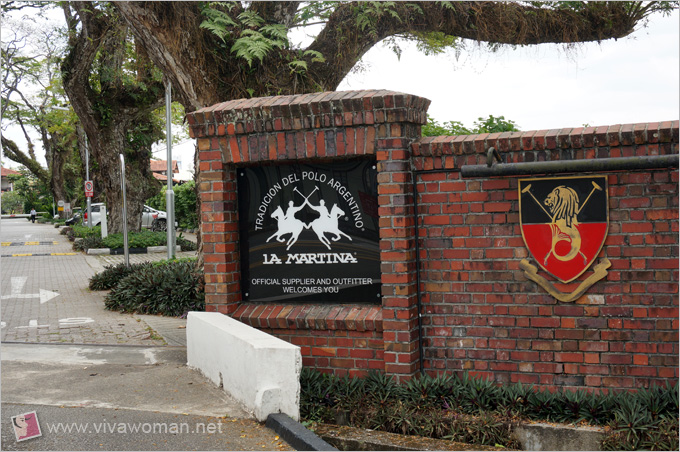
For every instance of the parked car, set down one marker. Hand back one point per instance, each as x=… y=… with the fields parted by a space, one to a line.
x=156 y=220
x=153 y=219
x=75 y=219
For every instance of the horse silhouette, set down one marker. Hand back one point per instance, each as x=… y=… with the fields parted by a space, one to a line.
x=327 y=223
x=286 y=225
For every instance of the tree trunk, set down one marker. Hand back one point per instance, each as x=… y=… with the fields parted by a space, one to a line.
x=115 y=114
x=139 y=183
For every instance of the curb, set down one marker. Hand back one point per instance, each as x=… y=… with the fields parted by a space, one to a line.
x=295 y=433
x=120 y=251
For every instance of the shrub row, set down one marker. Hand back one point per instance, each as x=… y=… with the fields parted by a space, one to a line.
x=91 y=238
x=481 y=412
x=170 y=288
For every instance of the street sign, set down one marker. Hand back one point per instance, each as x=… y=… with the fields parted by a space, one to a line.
x=60 y=205
x=89 y=189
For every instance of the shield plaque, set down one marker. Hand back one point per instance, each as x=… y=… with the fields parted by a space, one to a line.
x=564 y=222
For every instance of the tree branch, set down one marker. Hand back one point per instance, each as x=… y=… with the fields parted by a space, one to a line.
x=343 y=43
x=15 y=154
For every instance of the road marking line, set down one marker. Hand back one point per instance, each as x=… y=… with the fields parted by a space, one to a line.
x=38 y=254
x=28 y=243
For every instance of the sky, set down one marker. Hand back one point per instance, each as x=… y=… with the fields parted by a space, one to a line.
x=634 y=79
x=631 y=80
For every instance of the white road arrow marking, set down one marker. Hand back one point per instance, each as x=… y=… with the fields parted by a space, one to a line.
x=17 y=286
x=31 y=324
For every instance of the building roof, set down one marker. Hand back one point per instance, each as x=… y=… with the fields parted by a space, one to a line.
x=164 y=178
x=7 y=171
x=161 y=166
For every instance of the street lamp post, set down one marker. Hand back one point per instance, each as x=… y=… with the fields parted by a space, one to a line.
x=169 y=194
x=126 y=252
x=87 y=177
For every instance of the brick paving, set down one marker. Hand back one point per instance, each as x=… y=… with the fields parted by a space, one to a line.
x=31 y=264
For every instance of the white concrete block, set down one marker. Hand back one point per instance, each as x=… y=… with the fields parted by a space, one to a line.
x=162 y=249
x=259 y=370
x=98 y=251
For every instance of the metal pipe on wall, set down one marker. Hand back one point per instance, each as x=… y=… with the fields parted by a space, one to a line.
x=571 y=166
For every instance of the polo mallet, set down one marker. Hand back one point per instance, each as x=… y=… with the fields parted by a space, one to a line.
x=526 y=190
x=306 y=197
x=595 y=187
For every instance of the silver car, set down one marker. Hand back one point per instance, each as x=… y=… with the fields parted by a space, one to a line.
x=153 y=219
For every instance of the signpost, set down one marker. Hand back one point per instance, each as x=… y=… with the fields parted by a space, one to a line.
x=310 y=233
x=89 y=188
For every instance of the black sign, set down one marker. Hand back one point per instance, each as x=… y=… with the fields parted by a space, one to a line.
x=309 y=233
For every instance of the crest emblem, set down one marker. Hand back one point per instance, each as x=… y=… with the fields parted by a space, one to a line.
x=564 y=223
x=327 y=222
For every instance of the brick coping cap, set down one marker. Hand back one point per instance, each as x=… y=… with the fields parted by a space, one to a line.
x=357 y=99
x=306 y=112
x=565 y=138
x=357 y=317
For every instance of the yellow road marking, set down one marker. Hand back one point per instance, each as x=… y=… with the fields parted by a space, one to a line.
x=28 y=243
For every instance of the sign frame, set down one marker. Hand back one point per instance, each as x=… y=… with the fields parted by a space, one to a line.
x=309 y=232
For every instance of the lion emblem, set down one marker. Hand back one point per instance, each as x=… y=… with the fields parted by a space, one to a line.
x=563 y=204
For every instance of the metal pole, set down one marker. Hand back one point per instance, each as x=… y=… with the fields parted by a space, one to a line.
x=125 y=232
x=571 y=166
x=169 y=194
x=87 y=177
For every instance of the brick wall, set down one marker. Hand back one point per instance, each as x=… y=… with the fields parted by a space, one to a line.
x=480 y=313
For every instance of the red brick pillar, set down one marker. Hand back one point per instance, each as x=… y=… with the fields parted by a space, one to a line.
x=398 y=250
x=307 y=128
x=219 y=227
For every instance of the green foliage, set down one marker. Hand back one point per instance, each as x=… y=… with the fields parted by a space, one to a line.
x=12 y=202
x=140 y=239
x=83 y=231
x=491 y=124
x=255 y=45
x=113 y=274
x=494 y=124
x=369 y=13
x=218 y=21
x=247 y=35
x=250 y=38
x=91 y=238
x=31 y=191
x=185 y=204
x=87 y=243
x=171 y=289
x=435 y=43
x=477 y=411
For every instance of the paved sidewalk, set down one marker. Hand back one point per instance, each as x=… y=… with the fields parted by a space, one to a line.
x=77 y=364
x=37 y=260
x=121 y=398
